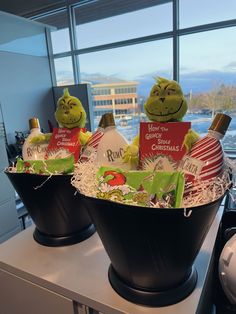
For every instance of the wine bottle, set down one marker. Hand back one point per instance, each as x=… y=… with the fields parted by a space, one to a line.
x=205 y=161
x=33 y=151
x=90 y=150
x=112 y=145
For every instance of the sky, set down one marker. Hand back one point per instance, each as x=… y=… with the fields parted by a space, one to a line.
x=205 y=51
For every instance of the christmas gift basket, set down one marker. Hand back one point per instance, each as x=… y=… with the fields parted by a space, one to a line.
x=153 y=201
x=42 y=177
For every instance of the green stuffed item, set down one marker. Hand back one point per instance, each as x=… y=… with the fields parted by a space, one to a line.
x=69 y=114
x=144 y=188
x=46 y=167
x=166 y=103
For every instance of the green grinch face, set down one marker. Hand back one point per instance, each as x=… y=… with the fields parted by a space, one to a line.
x=166 y=102
x=70 y=112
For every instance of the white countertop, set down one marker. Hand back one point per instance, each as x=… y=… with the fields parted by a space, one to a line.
x=80 y=272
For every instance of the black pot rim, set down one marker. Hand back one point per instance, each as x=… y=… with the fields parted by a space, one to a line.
x=153 y=209
x=37 y=175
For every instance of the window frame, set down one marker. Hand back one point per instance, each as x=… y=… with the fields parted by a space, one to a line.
x=174 y=34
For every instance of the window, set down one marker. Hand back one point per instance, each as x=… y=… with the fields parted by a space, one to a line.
x=128 y=75
x=101 y=91
x=125 y=90
x=64 y=71
x=192 y=12
x=123 y=101
x=208 y=78
x=60 y=33
x=100 y=31
x=102 y=102
x=120 y=49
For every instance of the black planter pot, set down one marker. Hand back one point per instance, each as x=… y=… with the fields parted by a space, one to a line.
x=152 y=250
x=59 y=216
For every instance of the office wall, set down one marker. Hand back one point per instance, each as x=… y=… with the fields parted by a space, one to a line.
x=25 y=80
x=25 y=91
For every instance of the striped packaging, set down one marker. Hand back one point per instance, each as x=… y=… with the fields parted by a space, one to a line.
x=90 y=150
x=204 y=163
x=209 y=151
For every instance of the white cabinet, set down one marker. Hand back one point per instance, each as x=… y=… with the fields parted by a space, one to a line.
x=22 y=296
x=35 y=279
x=9 y=223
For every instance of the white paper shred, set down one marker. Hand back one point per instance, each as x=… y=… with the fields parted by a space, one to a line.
x=85 y=181
x=11 y=169
x=42 y=184
x=208 y=191
x=84 y=178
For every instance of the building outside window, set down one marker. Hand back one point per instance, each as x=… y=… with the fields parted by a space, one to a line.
x=136 y=41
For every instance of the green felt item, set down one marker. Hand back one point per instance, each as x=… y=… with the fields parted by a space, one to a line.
x=142 y=187
x=50 y=166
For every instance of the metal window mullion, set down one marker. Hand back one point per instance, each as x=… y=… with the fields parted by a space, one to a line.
x=174 y=34
x=160 y=36
x=124 y=43
x=51 y=57
x=175 y=40
x=207 y=27
x=72 y=34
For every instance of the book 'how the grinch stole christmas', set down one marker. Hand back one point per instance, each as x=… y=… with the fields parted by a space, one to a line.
x=161 y=145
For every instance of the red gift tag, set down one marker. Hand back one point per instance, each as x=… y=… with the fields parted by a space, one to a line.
x=161 y=144
x=64 y=142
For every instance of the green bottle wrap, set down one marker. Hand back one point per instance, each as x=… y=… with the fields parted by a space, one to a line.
x=48 y=167
x=143 y=188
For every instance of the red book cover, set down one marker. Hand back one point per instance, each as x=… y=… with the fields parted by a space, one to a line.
x=63 y=143
x=161 y=145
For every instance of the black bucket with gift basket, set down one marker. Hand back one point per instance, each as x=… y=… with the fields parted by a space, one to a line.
x=151 y=238
x=152 y=250
x=58 y=214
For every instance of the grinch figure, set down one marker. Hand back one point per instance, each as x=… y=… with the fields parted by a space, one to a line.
x=70 y=115
x=166 y=103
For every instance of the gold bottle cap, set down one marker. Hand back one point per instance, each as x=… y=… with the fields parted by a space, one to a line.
x=101 y=123
x=34 y=123
x=220 y=123
x=109 y=119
